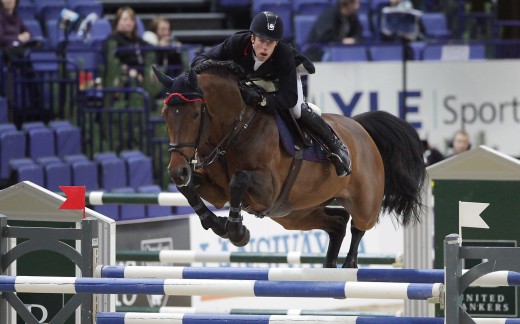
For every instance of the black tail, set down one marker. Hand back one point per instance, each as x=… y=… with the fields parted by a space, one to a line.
x=401 y=150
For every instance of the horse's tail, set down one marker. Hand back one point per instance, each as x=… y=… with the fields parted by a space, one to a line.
x=401 y=151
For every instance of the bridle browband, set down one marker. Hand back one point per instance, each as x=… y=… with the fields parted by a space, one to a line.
x=225 y=143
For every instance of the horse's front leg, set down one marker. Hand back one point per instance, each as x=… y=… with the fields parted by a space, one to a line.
x=357 y=235
x=238 y=233
x=207 y=218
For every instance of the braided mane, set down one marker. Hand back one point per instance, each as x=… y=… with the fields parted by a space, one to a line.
x=221 y=66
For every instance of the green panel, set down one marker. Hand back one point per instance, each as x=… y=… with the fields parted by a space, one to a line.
x=45 y=263
x=502 y=216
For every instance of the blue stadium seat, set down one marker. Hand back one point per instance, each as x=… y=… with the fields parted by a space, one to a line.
x=367 y=30
x=100 y=156
x=302 y=27
x=68 y=140
x=47 y=10
x=15 y=164
x=154 y=210
x=44 y=61
x=26 y=12
x=454 y=52
x=100 y=30
x=74 y=158
x=386 y=52
x=139 y=170
x=435 y=25
x=346 y=53
x=57 y=174
x=4 y=118
x=113 y=173
x=7 y=127
x=130 y=211
x=234 y=4
x=40 y=143
x=85 y=173
x=307 y=7
x=43 y=161
x=55 y=124
x=125 y=155
x=85 y=8
x=26 y=127
x=12 y=146
x=30 y=172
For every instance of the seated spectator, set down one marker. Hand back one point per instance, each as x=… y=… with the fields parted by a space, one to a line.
x=338 y=23
x=460 y=142
x=13 y=33
x=128 y=42
x=160 y=35
x=431 y=154
x=406 y=6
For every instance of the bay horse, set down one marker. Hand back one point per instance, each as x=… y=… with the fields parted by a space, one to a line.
x=228 y=152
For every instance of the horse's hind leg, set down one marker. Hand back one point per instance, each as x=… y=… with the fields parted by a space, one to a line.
x=238 y=233
x=336 y=234
x=207 y=218
x=357 y=235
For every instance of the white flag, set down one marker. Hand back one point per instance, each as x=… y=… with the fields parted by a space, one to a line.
x=469 y=215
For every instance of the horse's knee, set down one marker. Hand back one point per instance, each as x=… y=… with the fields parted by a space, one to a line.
x=240 y=181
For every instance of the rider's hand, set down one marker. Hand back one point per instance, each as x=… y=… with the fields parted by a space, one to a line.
x=253 y=95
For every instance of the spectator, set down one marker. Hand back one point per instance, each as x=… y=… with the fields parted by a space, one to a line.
x=405 y=6
x=431 y=154
x=160 y=35
x=338 y=23
x=460 y=142
x=13 y=33
x=128 y=42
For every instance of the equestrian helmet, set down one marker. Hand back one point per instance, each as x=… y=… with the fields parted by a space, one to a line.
x=267 y=25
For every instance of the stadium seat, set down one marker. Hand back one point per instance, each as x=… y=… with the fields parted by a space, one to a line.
x=30 y=172
x=435 y=25
x=85 y=173
x=15 y=164
x=57 y=174
x=125 y=155
x=307 y=7
x=113 y=173
x=44 y=61
x=234 y=4
x=100 y=156
x=7 y=127
x=154 y=210
x=454 y=52
x=26 y=127
x=302 y=27
x=74 y=158
x=55 y=124
x=43 y=161
x=4 y=118
x=12 y=146
x=49 y=10
x=40 y=143
x=85 y=8
x=386 y=52
x=346 y=53
x=67 y=140
x=26 y=12
x=139 y=171
x=100 y=30
x=367 y=30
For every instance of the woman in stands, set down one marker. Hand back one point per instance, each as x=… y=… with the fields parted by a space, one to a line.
x=128 y=43
x=13 y=33
x=160 y=35
x=262 y=54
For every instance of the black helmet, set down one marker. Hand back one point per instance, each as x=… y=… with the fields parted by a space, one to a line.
x=267 y=25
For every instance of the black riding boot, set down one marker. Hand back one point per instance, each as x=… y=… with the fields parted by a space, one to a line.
x=338 y=151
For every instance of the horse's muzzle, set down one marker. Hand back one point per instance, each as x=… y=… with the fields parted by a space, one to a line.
x=180 y=175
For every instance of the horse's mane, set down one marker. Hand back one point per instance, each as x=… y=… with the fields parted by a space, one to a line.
x=228 y=67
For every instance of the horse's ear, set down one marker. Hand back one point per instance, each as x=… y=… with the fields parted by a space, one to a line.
x=193 y=81
x=165 y=80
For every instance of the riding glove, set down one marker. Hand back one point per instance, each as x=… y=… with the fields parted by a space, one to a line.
x=254 y=95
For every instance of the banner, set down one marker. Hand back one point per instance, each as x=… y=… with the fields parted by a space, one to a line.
x=441 y=97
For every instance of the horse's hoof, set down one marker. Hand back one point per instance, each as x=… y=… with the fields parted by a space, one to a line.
x=244 y=240
x=350 y=264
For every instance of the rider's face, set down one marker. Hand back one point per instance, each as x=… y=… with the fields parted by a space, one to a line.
x=263 y=47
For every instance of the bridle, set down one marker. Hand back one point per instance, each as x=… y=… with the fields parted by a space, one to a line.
x=228 y=140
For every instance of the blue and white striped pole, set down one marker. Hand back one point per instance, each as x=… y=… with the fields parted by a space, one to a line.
x=141 y=318
x=236 y=288
x=499 y=278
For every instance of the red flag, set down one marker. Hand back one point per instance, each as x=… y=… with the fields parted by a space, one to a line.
x=75 y=198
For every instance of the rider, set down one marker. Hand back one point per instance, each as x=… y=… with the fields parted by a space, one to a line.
x=262 y=54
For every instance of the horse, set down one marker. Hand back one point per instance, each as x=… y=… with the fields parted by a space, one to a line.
x=225 y=151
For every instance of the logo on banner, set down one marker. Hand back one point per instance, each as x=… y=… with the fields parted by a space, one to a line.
x=156 y=244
